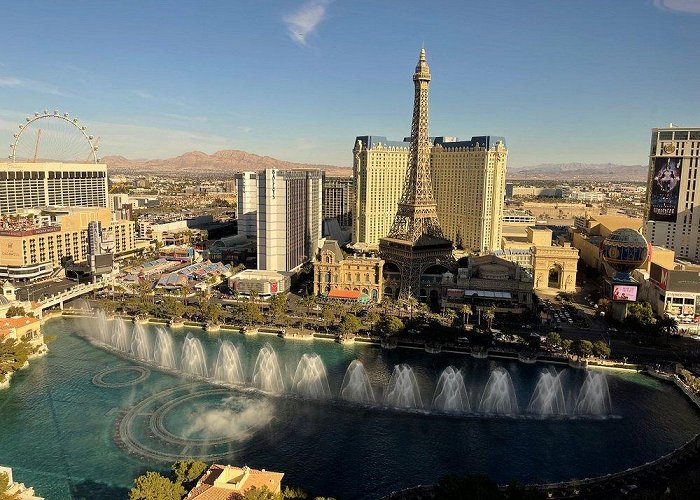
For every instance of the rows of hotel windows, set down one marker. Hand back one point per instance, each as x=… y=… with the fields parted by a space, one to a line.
x=679 y=135
x=27 y=175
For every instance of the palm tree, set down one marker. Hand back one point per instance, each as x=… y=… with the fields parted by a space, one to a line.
x=466 y=311
x=309 y=301
x=489 y=315
x=185 y=290
x=412 y=302
x=451 y=316
x=667 y=325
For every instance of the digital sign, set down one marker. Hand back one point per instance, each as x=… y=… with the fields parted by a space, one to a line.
x=625 y=293
x=665 y=188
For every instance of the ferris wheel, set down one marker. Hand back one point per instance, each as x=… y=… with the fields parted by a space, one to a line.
x=53 y=136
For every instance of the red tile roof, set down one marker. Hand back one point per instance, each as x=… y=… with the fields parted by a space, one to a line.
x=344 y=294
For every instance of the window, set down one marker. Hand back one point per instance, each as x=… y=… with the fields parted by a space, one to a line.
x=680 y=136
x=666 y=135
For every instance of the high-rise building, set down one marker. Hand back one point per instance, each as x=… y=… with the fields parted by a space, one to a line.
x=247 y=203
x=469 y=180
x=289 y=217
x=338 y=195
x=35 y=185
x=673 y=196
x=415 y=243
x=468 y=186
x=94 y=237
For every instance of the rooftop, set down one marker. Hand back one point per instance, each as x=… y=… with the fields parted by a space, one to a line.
x=227 y=482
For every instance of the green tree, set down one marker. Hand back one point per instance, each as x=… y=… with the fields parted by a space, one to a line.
x=187 y=472
x=107 y=305
x=389 y=326
x=349 y=325
x=4 y=486
x=153 y=486
x=14 y=311
x=466 y=311
x=640 y=316
x=582 y=348
x=294 y=493
x=668 y=326
x=328 y=314
x=173 y=308
x=372 y=318
x=13 y=356
x=566 y=345
x=601 y=349
x=250 y=313
x=278 y=305
x=451 y=315
x=553 y=339
x=412 y=303
x=489 y=316
x=262 y=494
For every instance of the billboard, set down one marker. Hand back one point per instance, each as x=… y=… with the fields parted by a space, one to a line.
x=665 y=187
x=625 y=293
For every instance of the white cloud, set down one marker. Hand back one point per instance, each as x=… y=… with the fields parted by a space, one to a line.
x=689 y=6
x=304 y=21
x=32 y=85
x=176 y=116
x=142 y=94
x=245 y=130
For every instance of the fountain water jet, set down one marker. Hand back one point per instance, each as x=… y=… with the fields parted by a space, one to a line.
x=267 y=375
x=228 y=364
x=194 y=360
x=548 y=397
x=594 y=398
x=101 y=332
x=402 y=390
x=163 y=351
x=450 y=393
x=356 y=386
x=139 y=343
x=310 y=378
x=120 y=335
x=499 y=394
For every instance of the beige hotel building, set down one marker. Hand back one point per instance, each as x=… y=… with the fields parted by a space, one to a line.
x=468 y=180
x=33 y=242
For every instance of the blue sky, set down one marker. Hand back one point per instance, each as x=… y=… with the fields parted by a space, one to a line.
x=563 y=80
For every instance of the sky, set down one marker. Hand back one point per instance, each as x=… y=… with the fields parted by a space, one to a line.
x=562 y=80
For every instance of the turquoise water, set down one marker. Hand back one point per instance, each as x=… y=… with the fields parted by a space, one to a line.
x=83 y=422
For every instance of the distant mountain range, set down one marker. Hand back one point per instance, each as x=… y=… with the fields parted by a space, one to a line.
x=580 y=171
x=224 y=162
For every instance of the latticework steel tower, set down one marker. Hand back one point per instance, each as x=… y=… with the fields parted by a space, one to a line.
x=415 y=241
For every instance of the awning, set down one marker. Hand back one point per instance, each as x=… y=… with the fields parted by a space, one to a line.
x=344 y=294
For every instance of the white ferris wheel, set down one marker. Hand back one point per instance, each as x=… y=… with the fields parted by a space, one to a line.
x=53 y=136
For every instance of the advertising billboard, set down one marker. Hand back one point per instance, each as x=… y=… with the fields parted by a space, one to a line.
x=665 y=187
x=625 y=293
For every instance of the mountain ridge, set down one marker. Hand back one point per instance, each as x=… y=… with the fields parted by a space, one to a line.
x=580 y=171
x=225 y=161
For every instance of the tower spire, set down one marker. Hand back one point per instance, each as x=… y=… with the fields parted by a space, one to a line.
x=415 y=241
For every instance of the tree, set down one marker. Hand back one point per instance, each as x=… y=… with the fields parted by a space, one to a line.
x=451 y=316
x=640 y=316
x=328 y=315
x=294 y=493
x=668 y=326
x=173 y=307
x=14 y=311
x=582 y=348
x=489 y=316
x=153 y=486
x=278 y=305
x=372 y=318
x=601 y=349
x=349 y=325
x=553 y=340
x=412 y=302
x=107 y=305
x=466 y=311
x=13 y=355
x=566 y=345
x=250 y=313
x=185 y=291
x=4 y=486
x=262 y=494
x=188 y=471
x=389 y=326
x=213 y=313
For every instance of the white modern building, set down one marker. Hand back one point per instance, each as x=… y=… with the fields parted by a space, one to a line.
x=672 y=217
x=289 y=217
x=34 y=185
x=247 y=203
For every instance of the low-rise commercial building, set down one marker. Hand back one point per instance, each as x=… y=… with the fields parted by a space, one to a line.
x=259 y=282
x=33 y=243
x=335 y=272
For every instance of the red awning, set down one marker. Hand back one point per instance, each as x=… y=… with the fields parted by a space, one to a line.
x=344 y=294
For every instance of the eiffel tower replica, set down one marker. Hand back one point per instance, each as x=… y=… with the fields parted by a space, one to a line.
x=415 y=241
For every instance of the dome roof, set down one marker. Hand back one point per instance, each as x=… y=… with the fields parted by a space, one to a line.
x=625 y=250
